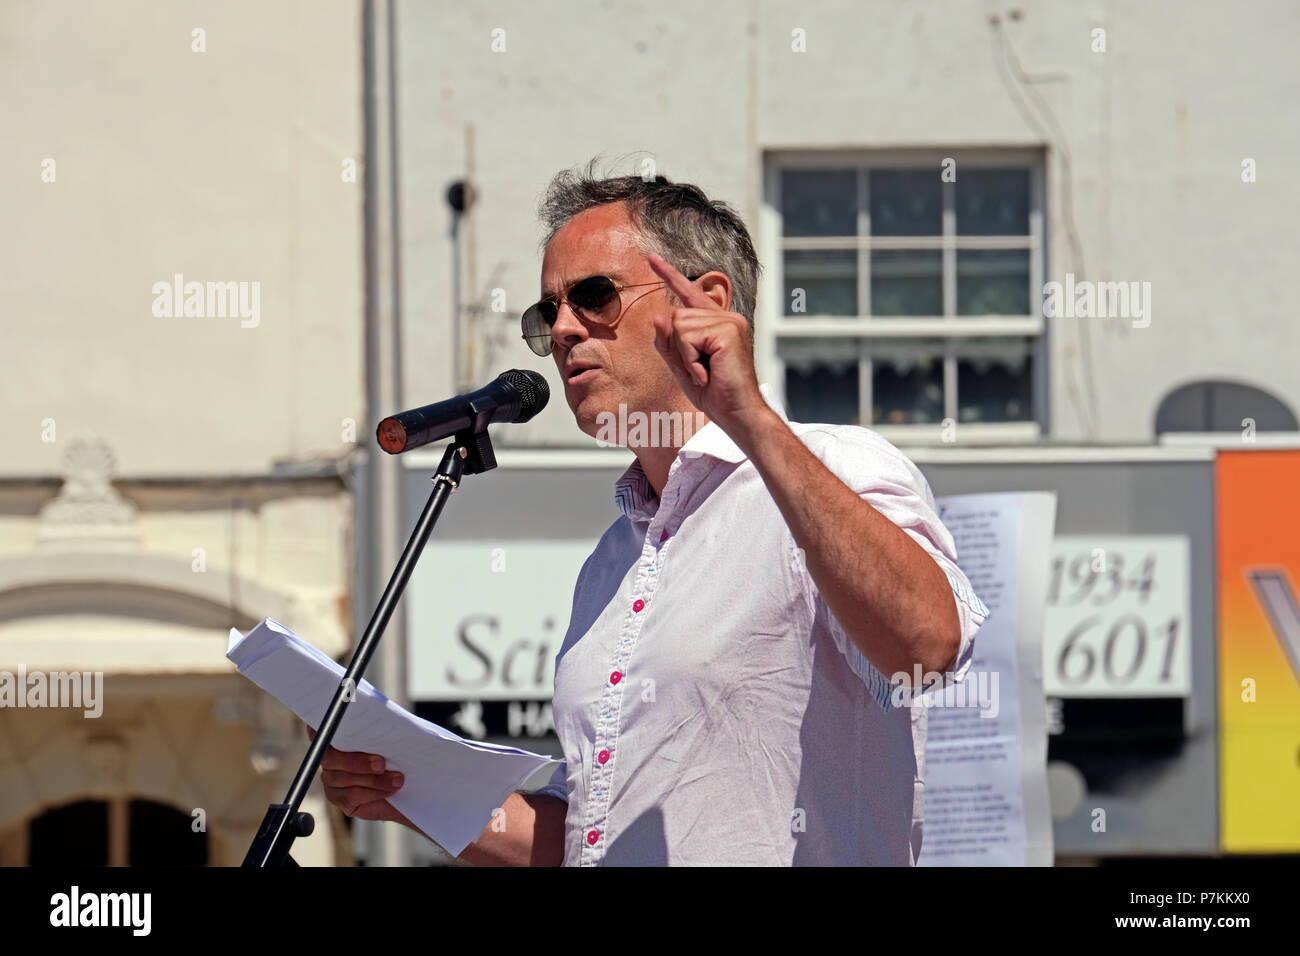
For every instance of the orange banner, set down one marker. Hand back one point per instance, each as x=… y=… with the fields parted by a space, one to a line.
x=1258 y=523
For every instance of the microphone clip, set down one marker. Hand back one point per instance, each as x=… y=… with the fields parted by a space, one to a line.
x=479 y=454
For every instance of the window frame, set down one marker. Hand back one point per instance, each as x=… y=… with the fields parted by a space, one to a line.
x=772 y=324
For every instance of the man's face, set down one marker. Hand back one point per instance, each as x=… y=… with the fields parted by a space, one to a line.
x=627 y=367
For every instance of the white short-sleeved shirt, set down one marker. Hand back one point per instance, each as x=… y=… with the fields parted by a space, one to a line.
x=710 y=708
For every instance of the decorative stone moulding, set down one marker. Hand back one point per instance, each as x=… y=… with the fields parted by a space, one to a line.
x=88 y=511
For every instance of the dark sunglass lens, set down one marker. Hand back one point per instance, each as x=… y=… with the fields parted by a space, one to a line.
x=596 y=298
x=537 y=323
x=541 y=345
x=540 y=317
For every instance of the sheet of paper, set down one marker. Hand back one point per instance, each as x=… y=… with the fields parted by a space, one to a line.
x=452 y=785
x=985 y=780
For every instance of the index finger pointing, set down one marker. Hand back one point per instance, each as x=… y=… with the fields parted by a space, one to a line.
x=681 y=286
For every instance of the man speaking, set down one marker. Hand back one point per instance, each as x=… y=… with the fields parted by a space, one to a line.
x=735 y=682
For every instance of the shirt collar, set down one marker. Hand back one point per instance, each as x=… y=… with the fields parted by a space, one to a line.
x=633 y=493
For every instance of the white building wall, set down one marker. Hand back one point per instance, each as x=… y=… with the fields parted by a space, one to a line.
x=220 y=166
x=167 y=478
x=1155 y=130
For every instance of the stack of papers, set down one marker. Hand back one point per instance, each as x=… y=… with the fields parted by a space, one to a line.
x=452 y=785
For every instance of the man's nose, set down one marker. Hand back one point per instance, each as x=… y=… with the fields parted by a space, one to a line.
x=568 y=328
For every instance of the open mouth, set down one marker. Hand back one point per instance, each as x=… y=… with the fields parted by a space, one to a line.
x=580 y=373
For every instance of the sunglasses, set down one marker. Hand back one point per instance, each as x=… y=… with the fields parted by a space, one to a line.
x=595 y=299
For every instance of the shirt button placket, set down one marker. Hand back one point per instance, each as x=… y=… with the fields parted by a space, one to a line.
x=616 y=676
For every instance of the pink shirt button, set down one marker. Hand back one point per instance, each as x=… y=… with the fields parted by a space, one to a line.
x=603 y=756
x=592 y=837
x=615 y=677
x=638 y=604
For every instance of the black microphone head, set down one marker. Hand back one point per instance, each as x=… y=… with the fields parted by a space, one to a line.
x=534 y=393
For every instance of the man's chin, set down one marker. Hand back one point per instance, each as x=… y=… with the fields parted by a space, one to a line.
x=591 y=412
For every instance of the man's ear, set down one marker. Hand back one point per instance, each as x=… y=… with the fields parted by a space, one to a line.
x=717 y=287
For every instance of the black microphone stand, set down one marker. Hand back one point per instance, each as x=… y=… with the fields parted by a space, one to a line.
x=470 y=453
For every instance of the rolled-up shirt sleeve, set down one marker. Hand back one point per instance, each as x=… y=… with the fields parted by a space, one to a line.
x=886 y=479
x=557 y=786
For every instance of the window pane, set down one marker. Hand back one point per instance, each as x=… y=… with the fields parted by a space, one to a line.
x=819 y=202
x=906 y=282
x=994 y=379
x=821 y=380
x=906 y=203
x=993 y=282
x=828 y=279
x=1214 y=406
x=906 y=381
x=992 y=202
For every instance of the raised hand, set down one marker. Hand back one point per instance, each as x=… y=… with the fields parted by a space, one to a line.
x=708 y=350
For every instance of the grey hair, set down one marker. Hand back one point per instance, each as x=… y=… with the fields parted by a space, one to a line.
x=678 y=221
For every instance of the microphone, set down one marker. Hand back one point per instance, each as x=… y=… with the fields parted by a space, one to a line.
x=515 y=396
